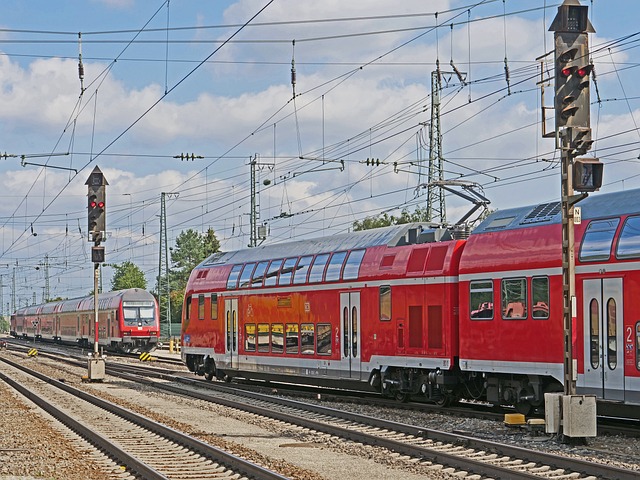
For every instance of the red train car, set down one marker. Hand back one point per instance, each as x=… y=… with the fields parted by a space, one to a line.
x=374 y=308
x=407 y=310
x=128 y=321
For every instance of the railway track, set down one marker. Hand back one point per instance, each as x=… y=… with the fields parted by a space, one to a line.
x=461 y=452
x=143 y=448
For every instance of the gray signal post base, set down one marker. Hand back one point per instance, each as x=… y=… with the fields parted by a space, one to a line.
x=573 y=417
x=96 y=369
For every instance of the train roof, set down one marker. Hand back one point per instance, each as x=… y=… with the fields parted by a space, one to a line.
x=599 y=205
x=394 y=235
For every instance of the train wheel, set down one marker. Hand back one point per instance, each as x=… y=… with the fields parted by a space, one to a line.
x=401 y=397
x=443 y=401
x=209 y=375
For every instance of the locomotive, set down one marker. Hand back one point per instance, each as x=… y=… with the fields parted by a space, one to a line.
x=412 y=310
x=128 y=321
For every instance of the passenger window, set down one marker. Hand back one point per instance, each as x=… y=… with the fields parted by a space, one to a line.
x=481 y=299
x=324 y=339
x=277 y=338
x=612 y=330
x=352 y=267
x=629 y=242
x=272 y=272
x=514 y=298
x=594 y=332
x=263 y=337
x=250 y=337
x=638 y=345
x=540 y=297
x=300 y=275
x=245 y=276
x=307 y=338
x=232 y=281
x=201 y=307
x=187 y=308
x=214 y=306
x=596 y=244
x=293 y=340
x=335 y=266
x=286 y=274
x=258 y=274
x=385 y=302
x=317 y=269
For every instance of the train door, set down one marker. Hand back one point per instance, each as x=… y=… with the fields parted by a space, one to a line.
x=350 y=334
x=231 y=326
x=603 y=338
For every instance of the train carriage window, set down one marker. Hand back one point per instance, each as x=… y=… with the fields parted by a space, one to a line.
x=612 y=330
x=540 y=297
x=324 y=339
x=277 y=338
x=214 y=306
x=293 y=340
x=250 y=337
x=352 y=267
x=385 y=302
x=272 y=272
x=307 y=338
x=514 y=298
x=263 y=337
x=638 y=345
x=232 y=281
x=245 y=276
x=594 y=332
x=345 y=332
x=354 y=332
x=201 y=307
x=187 y=308
x=481 y=299
x=286 y=274
x=335 y=266
x=629 y=241
x=300 y=274
x=317 y=269
x=258 y=274
x=596 y=244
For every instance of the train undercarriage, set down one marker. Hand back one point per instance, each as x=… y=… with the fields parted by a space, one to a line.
x=440 y=387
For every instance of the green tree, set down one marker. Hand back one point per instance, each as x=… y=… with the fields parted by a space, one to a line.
x=127 y=275
x=190 y=249
x=385 y=220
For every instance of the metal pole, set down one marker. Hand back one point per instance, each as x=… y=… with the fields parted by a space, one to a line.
x=96 y=275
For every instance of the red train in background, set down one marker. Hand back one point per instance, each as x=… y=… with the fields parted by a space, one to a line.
x=128 y=321
x=409 y=310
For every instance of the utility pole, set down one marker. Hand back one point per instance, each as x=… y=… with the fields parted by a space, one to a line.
x=163 y=262
x=435 y=194
x=571 y=27
x=256 y=233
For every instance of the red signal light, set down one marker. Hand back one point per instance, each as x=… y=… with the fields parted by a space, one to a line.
x=566 y=71
x=584 y=71
x=100 y=204
x=93 y=204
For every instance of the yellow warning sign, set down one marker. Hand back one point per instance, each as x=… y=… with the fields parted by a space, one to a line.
x=146 y=357
x=32 y=352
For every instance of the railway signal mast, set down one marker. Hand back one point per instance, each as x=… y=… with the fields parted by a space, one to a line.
x=96 y=215
x=571 y=28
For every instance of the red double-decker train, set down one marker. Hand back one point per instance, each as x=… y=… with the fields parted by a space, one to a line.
x=411 y=310
x=128 y=321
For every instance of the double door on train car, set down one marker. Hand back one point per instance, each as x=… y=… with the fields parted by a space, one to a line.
x=350 y=335
x=231 y=328
x=603 y=338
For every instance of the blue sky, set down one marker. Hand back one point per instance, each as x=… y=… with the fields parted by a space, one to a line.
x=363 y=73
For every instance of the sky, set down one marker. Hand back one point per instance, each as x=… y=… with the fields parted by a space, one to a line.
x=213 y=80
